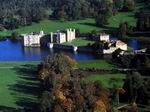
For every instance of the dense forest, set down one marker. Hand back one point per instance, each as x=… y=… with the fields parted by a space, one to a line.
x=21 y=12
x=66 y=89
x=15 y=13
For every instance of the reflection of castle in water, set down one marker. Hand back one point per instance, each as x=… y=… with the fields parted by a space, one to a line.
x=36 y=51
x=31 y=51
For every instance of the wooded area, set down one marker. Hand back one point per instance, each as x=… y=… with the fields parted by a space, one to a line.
x=15 y=13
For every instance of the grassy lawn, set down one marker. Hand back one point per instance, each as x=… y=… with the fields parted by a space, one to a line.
x=105 y=78
x=85 y=25
x=79 y=42
x=99 y=64
x=48 y=26
x=114 y=21
x=18 y=84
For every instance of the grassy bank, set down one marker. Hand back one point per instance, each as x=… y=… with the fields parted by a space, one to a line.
x=105 y=79
x=18 y=84
x=99 y=64
x=79 y=42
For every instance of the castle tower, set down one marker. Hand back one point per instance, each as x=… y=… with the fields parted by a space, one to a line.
x=70 y=35
x=51 y=37
x=41 y=32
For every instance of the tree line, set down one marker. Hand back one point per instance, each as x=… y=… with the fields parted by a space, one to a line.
x=14 y=13
x=64 y=90
x=101 y=10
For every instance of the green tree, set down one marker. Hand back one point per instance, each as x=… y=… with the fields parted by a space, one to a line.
x=61 y=15
x=116 y=89
x=101 y=20
x=59 y=64
x=123 y=30
x=134 y=86
x=46 y=101
x=118 y=4
x=14 y=35
x=147 y=62
x=129 y=5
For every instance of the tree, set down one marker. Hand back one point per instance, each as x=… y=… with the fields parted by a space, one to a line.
x=70 y=94
x=148 y=50
x=14 y=35
x=137 y=85
x=61 y=15
x=134 y=87
x=118 y=4
x=21 y=12
x=101 y=20
x=78 y=33
x=102 y=94
x=59 y=64
x=100 y=106
x=147 y=62
x=76 y=9
x=129 y=5
x=58 y=108
x=46 y=101
x=116 y=89
x=123 y=30
x=116 y=55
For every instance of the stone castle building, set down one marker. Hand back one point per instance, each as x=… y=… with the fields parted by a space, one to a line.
x=32 y=39
x=102 y=37
x=121 y=45
x=60 y=37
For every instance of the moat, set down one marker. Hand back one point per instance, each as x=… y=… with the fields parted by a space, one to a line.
x=14 y=51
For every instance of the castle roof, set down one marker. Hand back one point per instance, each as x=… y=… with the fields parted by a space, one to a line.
x=120 y=43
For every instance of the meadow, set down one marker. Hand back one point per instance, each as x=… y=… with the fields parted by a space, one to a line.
x=79 y=42
x=18 y=85
x=84 y=25
x=107 y=78
x=98 y=64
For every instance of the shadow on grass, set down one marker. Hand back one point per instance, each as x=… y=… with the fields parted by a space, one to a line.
x=27 y=88
x=106 y=29
x=7 y=109
x=110 y=30
x=88 y=24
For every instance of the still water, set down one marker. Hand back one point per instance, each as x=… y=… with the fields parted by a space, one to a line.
x=14 y=51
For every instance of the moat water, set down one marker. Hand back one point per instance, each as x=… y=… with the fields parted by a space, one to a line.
x=14 y=51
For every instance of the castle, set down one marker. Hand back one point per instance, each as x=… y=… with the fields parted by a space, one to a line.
x=60 y=37
x=102 y=37
x=32 y=39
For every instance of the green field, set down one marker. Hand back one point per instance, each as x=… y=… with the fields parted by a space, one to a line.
x=114 y=21
x=79 y=42
x=85 y=25
x=18 y=85
x=105 y=79
x=99 y=64
x=48 y=26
